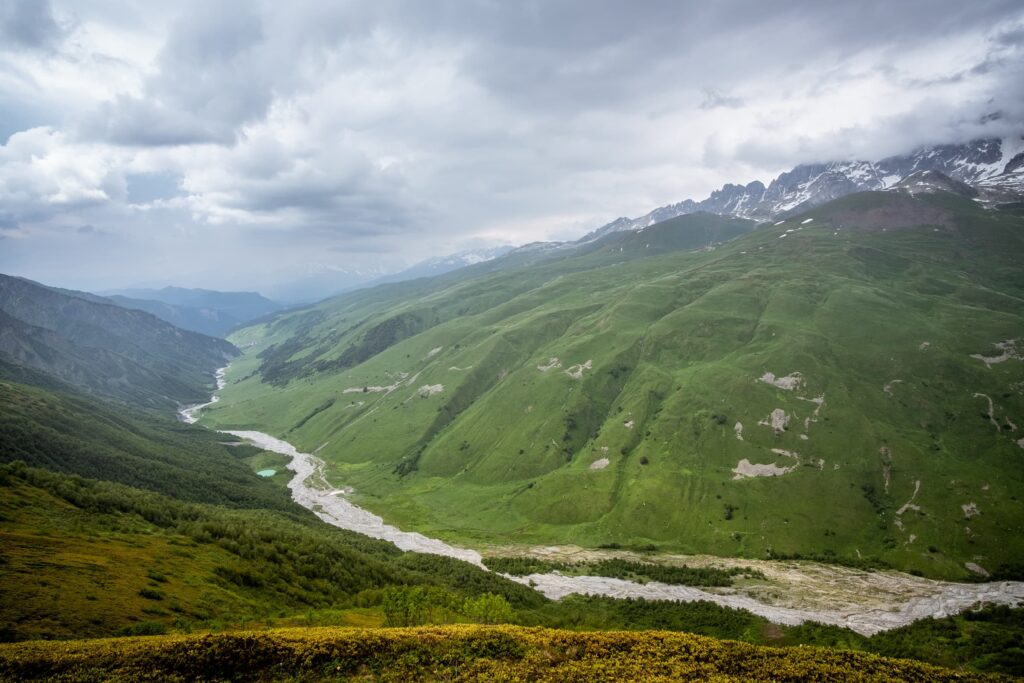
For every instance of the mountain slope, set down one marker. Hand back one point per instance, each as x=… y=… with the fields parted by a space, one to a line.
x=612 y=395
x=87 y=558
x=200 y=310
x=104 y=349
x=78 y=435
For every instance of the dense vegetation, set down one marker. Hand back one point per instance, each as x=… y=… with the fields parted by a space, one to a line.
x=78 y=435
x=612 y=392
x=85 y=557
x=452 y=653
x=617 y=568
x=989 y=639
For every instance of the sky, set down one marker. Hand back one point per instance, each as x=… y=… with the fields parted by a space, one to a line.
x=242 y=145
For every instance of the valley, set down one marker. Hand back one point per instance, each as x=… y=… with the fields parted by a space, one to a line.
x=677 y=388
x=787 y=433
x=791 y=593
x=478 y=341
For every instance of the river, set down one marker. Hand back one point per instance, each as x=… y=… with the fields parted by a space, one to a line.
x=795 y=592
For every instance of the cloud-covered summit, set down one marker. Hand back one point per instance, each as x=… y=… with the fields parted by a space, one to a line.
x=213 y=143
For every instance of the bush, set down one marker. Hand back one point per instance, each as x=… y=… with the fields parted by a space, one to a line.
x=144 y=628
x=151 y=594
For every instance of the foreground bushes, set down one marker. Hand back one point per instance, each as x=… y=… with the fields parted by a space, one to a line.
x=456 y=653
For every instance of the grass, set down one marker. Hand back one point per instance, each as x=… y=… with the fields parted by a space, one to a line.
x=676 y=341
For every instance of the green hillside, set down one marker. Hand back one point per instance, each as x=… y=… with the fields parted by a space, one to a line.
x=86 y=558
x=73 y=434
x=81 y=340
x=626 y=393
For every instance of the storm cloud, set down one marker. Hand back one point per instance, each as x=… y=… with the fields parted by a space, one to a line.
x=224 y=143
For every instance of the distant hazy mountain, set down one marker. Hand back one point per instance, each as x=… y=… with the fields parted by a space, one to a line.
x=317 y=281
x=993 y=166
x=200 y=310
x=446 y=264
x=321 y=281
x=52 y=337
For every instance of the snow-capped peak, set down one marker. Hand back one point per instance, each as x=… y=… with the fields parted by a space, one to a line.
x=992 y=166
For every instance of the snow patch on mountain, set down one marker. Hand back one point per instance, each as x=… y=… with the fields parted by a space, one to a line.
x=992 y=166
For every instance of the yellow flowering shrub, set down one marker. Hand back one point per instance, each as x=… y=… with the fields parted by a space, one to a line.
x=449 y=653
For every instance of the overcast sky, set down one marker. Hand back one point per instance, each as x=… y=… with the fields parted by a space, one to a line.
x=235 y=144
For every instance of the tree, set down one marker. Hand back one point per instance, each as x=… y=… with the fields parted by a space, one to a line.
x=405 y=606
x=488 y=609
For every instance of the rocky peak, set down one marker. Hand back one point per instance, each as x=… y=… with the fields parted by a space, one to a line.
x=991 y=168
x=934 y=181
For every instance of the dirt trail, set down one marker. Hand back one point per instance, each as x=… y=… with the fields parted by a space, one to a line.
x=991 y=411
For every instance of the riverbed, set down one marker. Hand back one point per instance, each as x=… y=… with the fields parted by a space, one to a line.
x=794 y=592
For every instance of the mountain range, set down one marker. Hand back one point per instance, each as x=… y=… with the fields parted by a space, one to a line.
x=64 y=339
x=994 y=166
x=200 y=310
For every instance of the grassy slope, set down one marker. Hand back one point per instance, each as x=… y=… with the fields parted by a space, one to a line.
x=470 y=653
x=677 y=340
x=70 y=433
x=84 y=559
x=87 y=558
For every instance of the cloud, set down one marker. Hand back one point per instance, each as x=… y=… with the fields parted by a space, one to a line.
x=147 y=123
x=715 y=98
x=29 y=24
x=379 y=133
x=211 y=78
x=42 y=173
